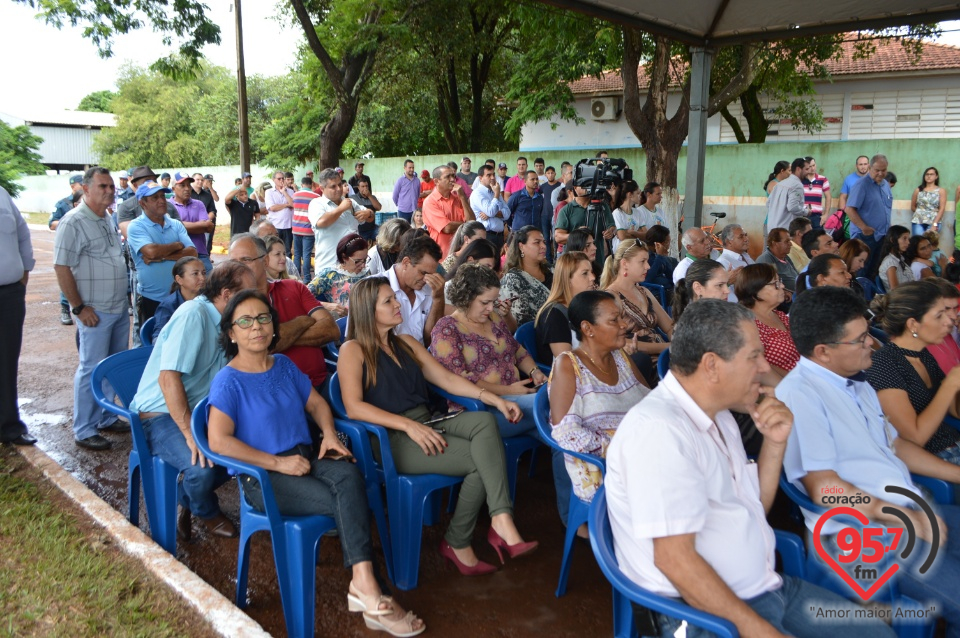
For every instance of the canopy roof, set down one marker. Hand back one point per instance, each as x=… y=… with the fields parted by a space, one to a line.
x=720 y=22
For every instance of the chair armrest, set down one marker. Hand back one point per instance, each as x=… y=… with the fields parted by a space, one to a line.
x=469 y=404
x=792 y=552
x=360 y=445
x=941 y=490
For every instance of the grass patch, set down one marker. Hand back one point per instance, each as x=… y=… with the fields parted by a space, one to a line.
x=60 y=574
x=36 y=218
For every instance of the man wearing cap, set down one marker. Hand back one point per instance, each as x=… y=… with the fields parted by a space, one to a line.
x=245 y=181
x=93 y=276
x=205 y=196
x=243 y=209
x=279 y=202
x=156 y=242
x=357 y=176
x=502 y=175
x=63 y=207
x=193 y=215
x=465 y=173
x=165 y=182
x=406 y=191
x=124 y=192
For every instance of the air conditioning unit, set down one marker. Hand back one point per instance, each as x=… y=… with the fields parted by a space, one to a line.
x=605 y=108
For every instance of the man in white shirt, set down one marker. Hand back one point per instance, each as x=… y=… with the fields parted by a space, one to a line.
x=786 y=201
x=279 y=203
x=688 y=509
x=333 y=217
x=734 y=257
x=697 y=245
x=489 y=207
x=418 y=288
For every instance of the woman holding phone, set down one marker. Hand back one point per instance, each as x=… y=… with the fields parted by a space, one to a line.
x=474 y=342
x=251 y=420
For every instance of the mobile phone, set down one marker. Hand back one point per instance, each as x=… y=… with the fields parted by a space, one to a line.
x=443 y=417
x=333 y=455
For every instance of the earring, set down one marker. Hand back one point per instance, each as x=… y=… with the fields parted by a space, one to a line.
x=914 y=333
x=521 y=255
x=233 y=341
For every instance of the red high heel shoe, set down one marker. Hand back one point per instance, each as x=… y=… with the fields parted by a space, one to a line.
x=512 y=550
x=480 y=569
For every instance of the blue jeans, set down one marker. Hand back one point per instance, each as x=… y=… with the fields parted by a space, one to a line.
x=405 y=216
x=195 y=490
x=332 y=488
x=788 y=609
x=815 y=221
x=919 y=229
x=873 y=261
x=525 y=425
x=110 y=336
x=302 y=256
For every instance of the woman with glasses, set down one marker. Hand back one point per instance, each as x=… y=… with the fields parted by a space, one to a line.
x=331 y=286
x=251 y=420
x=758 y=287
x=914 y=392
x=928 y=203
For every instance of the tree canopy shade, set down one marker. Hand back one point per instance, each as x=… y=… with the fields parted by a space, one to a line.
x=18 y=156
x=98 y=101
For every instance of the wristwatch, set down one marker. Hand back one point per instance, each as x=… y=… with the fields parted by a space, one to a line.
x=78 y=309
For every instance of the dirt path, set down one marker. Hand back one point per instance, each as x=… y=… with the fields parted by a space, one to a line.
x=517 y=601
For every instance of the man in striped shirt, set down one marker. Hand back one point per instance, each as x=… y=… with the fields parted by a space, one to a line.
x=816 y=192
x=303 y=238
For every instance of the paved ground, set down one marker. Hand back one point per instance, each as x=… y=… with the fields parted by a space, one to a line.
x=516 y=601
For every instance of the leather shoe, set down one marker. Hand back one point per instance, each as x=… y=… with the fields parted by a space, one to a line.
x=117 y=426
x=23 y=439
x=220 y=526
x=184 y=524
x=95 y=442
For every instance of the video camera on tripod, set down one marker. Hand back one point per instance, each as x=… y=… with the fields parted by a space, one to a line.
x=595 y=176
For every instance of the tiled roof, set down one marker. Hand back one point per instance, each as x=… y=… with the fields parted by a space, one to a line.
x=889 y=57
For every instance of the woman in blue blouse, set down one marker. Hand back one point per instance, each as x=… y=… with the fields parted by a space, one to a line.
x=251 y=420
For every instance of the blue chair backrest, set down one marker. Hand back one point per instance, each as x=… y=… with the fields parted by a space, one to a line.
x=880 y=288
x=146 y=331
x=122 y=371
x=660 y=291
x=663 y=363
x=869 y=290
x=541 y=416
x=879 y=335
x=342 y=324
x=526 y=336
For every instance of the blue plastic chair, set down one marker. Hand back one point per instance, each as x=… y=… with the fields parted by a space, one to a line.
x=869 y=289
x=663 y=363
x=879 y=335
x=660 y=291
x=817 y=573
x=626 y=591
x=123 y=371
x=408 y=497
x=295 y=539
x=878 y=286
x=526 y=336
x=332 y=349
x=577 y=514
x=342 y=324
x=146 y=331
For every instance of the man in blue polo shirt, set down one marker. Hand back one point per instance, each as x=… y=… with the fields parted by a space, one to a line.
x=155 y=241
x=869 y=208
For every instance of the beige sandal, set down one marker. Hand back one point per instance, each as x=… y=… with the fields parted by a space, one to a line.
x=401 y=627
x=358 y=602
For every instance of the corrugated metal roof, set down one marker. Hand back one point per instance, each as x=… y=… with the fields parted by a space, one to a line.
x=889 y=57
x=68 y=118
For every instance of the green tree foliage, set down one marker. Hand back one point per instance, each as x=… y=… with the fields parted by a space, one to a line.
x=18 y=156
x=98 y=101
x=164 y=122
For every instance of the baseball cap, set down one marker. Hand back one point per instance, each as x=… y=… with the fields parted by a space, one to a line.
x=76 y=179
x=165 y=176
x=467 y=159
x=339 y=170
x=208 y=176
x=425 y=174
x=310 y=173
x=150 y=188
x=246 y=175
x=123 y=175
x=358 y=164
x=180 y=177
x=501 y=165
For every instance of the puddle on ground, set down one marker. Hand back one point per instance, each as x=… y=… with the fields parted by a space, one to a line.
x=39 y=418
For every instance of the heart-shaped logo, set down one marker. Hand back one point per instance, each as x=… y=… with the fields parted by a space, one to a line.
x=854 y=585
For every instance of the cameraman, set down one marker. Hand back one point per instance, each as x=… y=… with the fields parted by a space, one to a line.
x=577 y=213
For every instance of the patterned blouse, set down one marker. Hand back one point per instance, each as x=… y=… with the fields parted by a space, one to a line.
x=531 y=294
x=332 y=285
x=475 y=357
x=778 y=347
x=928 y=205
x=593 y=418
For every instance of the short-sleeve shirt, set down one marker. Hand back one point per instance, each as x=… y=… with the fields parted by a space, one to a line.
x=874 y=204
x=188 y=344
x=365 y=202
x=574 y=216
x=671 y=470
x=438 y=211
x=330 y=236
x=813 y=190
x=785 y=268
x=193 y=211
x=301 y=219
x=553 y=327
x=414 y=314
x=266 y=407
x=90 y=246
x=623 y=221
x=154 y=280
x=778 y=347
x=475 y=357
x=891 y=370
x=241 y=215
x=283 y=218
x=292 y=299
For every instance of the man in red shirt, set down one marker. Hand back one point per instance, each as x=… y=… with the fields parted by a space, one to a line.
x=305 y=326
x=446 y=208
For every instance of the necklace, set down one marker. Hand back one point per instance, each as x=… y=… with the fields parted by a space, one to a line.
x=597 y=365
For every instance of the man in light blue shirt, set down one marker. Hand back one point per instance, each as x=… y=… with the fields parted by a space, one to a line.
x=156 y=242
x=842 y=444
x=869 y=207
x=488 y=205
x=186 y=356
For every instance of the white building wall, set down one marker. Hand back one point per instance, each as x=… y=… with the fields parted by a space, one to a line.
x=63 y=145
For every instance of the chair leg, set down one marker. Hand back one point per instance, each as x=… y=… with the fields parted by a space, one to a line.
x=623 y=623
x=243 y=567
x=163 y=527
x=375 y=499
x=576 y=517
x=133 y=490
x=297 y=578
x=406 y=532
x=512 y=476
x=533 y=462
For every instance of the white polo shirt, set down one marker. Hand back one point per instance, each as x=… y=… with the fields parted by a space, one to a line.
x=328 y=238
x=731 y=261
x=671 y=471
x=414 y=314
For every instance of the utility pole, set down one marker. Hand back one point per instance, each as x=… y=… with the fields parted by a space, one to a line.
x=242 y=95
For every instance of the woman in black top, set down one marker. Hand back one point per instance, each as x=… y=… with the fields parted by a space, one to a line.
x=573 y=274
x=914 y=393
x=383 y=380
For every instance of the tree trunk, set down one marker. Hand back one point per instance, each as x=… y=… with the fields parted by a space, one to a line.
x=756 y=118
x=734 y=124
x=334 y=134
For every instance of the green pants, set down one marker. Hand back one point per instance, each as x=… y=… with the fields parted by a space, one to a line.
x=475 y=452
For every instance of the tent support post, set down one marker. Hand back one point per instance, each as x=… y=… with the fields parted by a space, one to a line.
x=702 y=62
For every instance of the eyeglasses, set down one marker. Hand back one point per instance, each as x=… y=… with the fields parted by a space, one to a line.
x=861 y=341
x=245 y=322
x=639 y=243
x=357 y=262
x=776 y=283
x=248 y=260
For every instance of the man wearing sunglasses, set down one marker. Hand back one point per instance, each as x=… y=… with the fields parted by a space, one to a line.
x=842 y=443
